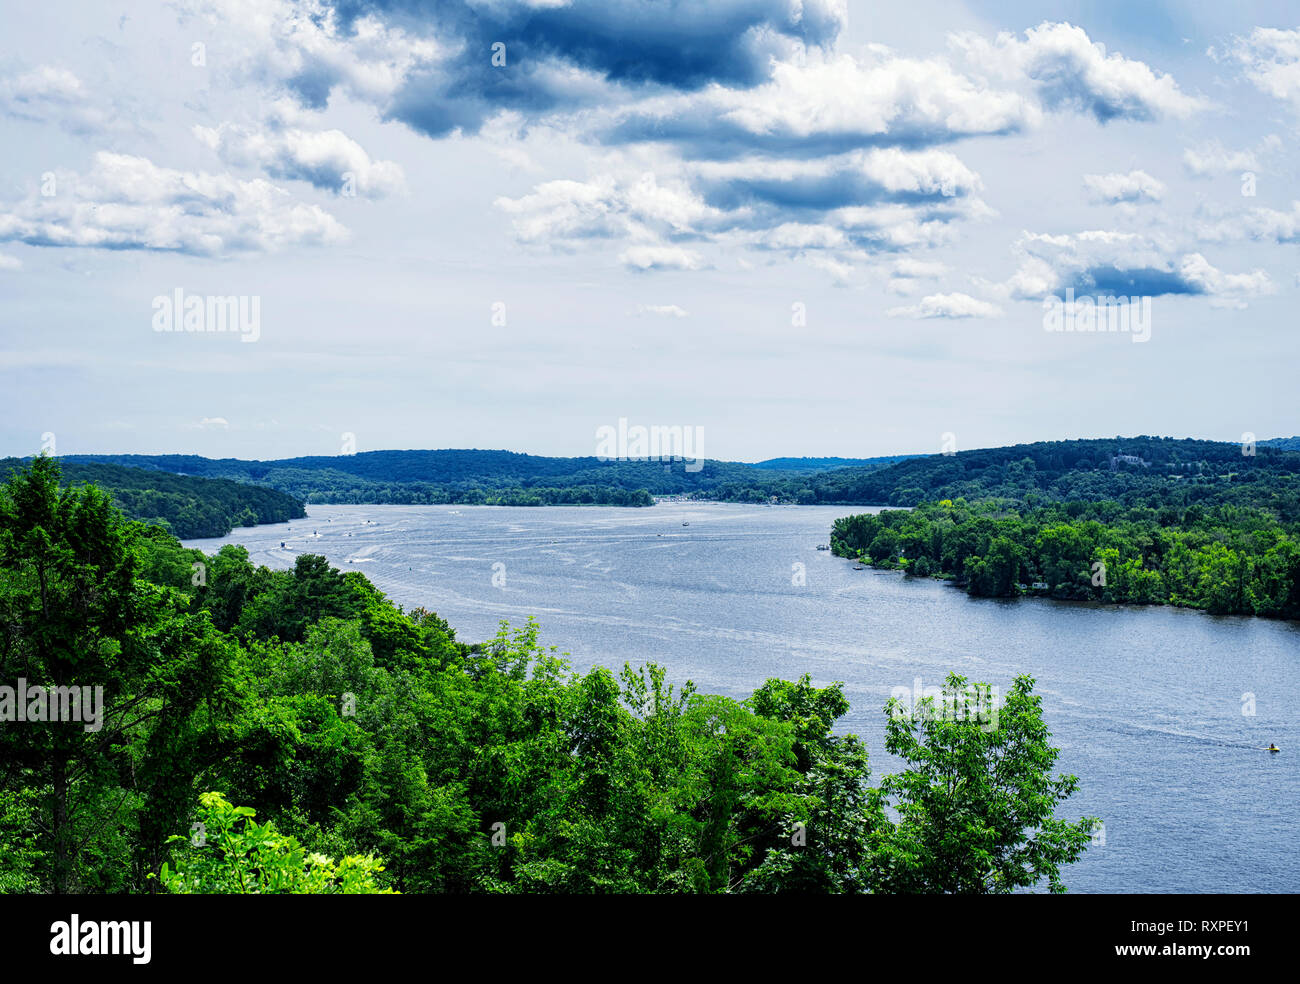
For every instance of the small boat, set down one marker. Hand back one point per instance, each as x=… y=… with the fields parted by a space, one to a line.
x=859 y=568
x=686 y=524
x=1274 y=748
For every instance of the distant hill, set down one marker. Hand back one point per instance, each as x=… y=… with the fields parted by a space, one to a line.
x=186 y=505
x=811 y=465
x=1281 y=443
x=1131 y=470
x=470 y=476
x=1149 y=471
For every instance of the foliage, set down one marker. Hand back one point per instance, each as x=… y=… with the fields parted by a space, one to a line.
x=1224 y=559
x=235 y=856
x=352 y=729
x=187 y=506
x=19 y=842
x=976 y=803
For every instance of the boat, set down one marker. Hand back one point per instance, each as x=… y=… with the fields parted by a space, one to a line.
x=1274 y=749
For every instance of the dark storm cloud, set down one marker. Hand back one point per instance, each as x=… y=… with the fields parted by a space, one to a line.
x=814 y=192
x=704 y=134
x=1142 y=281
x=675 y=45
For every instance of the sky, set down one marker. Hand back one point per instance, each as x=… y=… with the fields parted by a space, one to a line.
x=798 y=227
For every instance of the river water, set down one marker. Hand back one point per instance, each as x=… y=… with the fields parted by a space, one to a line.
x=1151 y=707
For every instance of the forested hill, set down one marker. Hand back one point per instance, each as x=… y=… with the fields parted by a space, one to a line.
x=1148 y=471
x=484 y=477
x=188 y=506
x=1135 y=471
x=809 y=465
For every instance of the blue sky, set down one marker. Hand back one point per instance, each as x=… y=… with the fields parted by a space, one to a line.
x=816 y=227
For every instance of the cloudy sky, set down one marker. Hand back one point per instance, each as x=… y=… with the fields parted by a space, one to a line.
x=807 y=227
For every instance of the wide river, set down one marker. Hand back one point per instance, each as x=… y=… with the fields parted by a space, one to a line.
x=1151 y=707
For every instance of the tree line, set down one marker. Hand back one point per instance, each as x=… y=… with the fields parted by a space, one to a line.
x=189 y=506
x=1225 y=559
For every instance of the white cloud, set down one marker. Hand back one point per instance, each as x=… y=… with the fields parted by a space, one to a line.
x=1226 y=289
x=955 y=305
x=1070 y=71
x=644 y=258
x=50 y=94
x=906 y=275
x=907 y=267
x=1213 y=158
x=562 y=211
x=8 y=262
x=926 y=172
x=328 y=159
x=302 y=45
x=562 y=214
x=1108 y=262
x=1263 y=224
x=852 y=178
x=1270 y=59
x=664 y=310
x=840 y=271
x=831 y=103
x=800 y=236
x=897 y=227
x=800 y=207
x=1133 y=187
x=127 y=202
x=1050 y=263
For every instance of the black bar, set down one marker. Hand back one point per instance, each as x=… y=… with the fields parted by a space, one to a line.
x=944 y=933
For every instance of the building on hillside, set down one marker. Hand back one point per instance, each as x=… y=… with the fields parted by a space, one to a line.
x=1127 y=459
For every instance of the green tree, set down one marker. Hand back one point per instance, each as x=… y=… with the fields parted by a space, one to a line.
x=976 y=805
x=74 y=616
